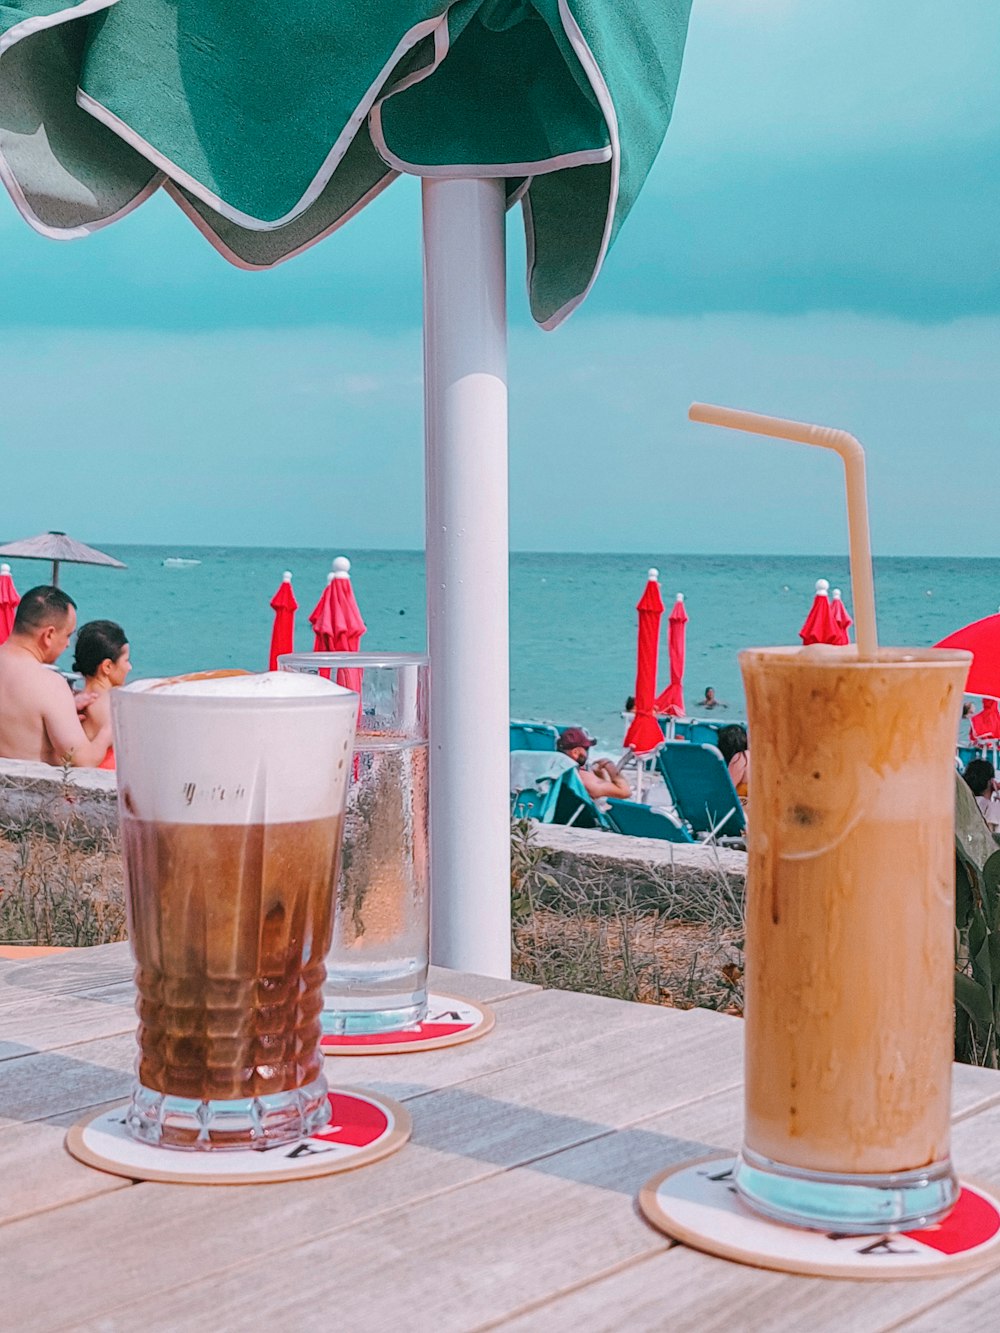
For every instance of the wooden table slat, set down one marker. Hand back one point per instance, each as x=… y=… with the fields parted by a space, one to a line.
x=513 y=1206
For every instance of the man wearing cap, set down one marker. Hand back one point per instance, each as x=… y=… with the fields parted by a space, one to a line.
x=603 y=779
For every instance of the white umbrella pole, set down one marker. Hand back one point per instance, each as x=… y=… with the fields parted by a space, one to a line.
x=465 y=395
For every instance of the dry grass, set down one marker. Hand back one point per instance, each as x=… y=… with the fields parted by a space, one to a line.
x=597 y=933
x=61 y=884
x=60 y=877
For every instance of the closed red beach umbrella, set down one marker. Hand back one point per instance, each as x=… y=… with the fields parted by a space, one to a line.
x=337 y=621
x=671 y=701
x=321 y=619
x=644 y=734
x=819 y=625
x=982 y=640
x=284 y=605
x=9 y=598
x=841 y=617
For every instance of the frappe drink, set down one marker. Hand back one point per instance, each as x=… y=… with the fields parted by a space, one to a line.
x=231 y=798
x=850 y=926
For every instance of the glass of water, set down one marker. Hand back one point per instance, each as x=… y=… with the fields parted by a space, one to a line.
x=377 y=965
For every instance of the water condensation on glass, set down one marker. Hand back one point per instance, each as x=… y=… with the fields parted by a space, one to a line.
x=377 y=967
x=380 y=937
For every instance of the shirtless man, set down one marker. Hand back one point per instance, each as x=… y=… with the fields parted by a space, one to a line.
x=38 y=715
x=604 y=779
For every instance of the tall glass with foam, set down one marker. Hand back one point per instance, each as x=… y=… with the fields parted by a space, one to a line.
x=231 y=795
x=850 y=935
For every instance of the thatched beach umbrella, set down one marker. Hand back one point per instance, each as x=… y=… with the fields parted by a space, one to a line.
x=60 y=550
x=270 y=126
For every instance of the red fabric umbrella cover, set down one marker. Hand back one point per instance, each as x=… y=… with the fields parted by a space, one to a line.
x=819 y=625
x=671 y=701
x=982 y=640
x=337 y=622
x=321 y=619
x=284 y=606
x=985 y=726
x=644 y=735
x=841 y=617
x=9 y=599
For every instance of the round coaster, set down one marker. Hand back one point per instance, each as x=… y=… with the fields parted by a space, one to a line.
x=697 y=1203
x=363 y=1128
x=449 y=1022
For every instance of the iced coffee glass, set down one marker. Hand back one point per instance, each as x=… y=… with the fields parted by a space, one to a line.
x=377 y=967
x=850 y=936
x=231 y=797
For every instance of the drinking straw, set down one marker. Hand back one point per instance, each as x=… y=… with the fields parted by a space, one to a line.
x=859 y=535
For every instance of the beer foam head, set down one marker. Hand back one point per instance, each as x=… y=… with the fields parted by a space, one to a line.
x=267 y=748
x=243 y=685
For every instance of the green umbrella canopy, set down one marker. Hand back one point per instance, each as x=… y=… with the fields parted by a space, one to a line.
x=272 y=125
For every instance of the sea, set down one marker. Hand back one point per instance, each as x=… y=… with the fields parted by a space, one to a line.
x=572 y=616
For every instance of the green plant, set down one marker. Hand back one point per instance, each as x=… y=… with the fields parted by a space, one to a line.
x=977 y=939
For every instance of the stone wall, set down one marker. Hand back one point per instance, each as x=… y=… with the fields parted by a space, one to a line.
x=56 y=796
x=634 y=871
x=688 y=882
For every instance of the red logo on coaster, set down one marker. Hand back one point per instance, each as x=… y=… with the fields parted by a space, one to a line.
x=353 y=1122
x=973 y=1221
x=445 y=1019
x=425 y=1032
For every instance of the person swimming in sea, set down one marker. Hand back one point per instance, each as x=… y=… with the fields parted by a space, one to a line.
x=710 y=701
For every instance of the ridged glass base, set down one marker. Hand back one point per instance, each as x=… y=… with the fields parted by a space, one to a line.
x=349 y=1016
x=853 y=1204
x=199 y=1126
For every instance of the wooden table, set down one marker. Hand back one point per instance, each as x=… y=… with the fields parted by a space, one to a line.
x=512 y=1207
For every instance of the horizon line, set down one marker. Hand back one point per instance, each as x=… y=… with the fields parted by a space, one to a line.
x=525 y=551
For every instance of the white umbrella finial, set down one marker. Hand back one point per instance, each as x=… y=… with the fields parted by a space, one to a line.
x=653 y=574
x=287 y=576
x=679 y=597
x=822 y=586
x=836 y=594
x=341 y=567
x=4 y=569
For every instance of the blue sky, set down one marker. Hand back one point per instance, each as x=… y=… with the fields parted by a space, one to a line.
x=818 y=238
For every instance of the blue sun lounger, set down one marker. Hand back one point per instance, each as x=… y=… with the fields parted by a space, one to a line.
x=533 y=736
x=639 y=821
x=547 y=787
x=701 y=789
x=704 y=733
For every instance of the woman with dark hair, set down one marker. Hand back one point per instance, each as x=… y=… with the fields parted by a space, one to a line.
x=734 y=746
x=102 y=658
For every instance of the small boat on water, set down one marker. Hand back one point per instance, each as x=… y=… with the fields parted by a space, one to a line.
x=176 y=562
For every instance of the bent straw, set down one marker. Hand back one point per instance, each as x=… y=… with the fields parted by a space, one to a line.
x=850 y=450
